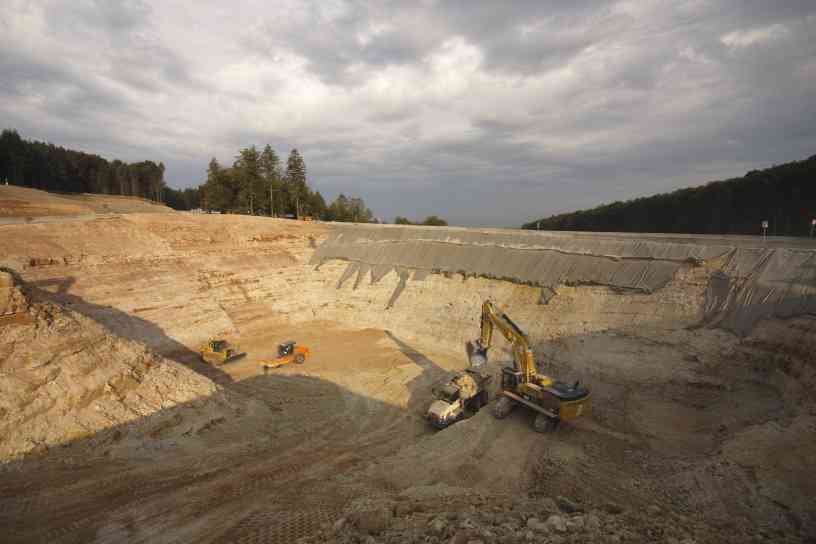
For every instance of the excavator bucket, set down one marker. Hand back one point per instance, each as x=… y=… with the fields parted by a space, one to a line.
x=476 y=355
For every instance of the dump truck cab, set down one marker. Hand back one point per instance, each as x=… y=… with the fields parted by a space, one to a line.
x=462 y=392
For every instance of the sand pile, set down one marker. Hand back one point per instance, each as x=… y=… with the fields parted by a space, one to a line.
x=64 y=378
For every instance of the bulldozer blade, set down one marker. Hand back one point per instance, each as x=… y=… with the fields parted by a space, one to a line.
x=235 y=357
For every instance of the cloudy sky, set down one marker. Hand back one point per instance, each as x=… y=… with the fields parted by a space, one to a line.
x=483 y=112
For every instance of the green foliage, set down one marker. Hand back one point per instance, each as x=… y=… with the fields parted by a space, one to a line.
x=430 y=221
x=270 y=171
x=434 y=221
x=784 y=195
x=45 y=166
x=246 y=172
x=351 y=210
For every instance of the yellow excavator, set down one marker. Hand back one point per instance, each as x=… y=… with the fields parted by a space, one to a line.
x=521 y=384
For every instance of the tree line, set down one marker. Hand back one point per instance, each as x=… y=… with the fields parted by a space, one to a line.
x=52 y=168
x=258 y=183
x=784 y=196
x=430 y=221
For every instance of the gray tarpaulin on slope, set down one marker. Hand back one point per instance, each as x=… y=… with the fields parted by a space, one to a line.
x=754 y=283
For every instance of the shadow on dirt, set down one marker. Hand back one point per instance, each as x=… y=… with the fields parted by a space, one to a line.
x=123 y=324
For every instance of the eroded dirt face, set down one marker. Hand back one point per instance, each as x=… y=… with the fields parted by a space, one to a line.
x=688 y=420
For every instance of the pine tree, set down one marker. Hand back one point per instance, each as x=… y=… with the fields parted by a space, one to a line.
x=296 y=180
x=247 y=169
x=270 y=170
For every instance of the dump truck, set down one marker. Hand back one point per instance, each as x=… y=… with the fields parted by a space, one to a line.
x=465 y=392
x=522 y=384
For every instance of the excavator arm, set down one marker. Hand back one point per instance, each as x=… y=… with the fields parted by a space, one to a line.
x=494 y=318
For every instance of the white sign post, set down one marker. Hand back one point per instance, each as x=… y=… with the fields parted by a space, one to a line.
x=812 y=226
x=764 y=229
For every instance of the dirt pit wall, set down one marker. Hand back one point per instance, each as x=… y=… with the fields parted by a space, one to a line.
x=673 y=392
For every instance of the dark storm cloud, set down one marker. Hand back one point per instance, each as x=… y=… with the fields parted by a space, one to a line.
x=484 y=112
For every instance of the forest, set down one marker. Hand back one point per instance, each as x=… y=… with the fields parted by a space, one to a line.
x=51 y=168
x=784 y=196
x=256 y=183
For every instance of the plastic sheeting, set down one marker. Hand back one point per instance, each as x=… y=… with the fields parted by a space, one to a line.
x=753 y=283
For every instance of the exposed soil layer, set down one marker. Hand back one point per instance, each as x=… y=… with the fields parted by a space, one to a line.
x=24 y=202
x=114 y=430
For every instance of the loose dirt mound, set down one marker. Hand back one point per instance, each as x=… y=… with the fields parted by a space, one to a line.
x=64 y=378
x=25 y=202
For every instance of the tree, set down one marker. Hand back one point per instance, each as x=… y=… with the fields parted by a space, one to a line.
x=270 y=171
x=247 y=170
x=399 y=220
x=217 y=193
x=296 y=180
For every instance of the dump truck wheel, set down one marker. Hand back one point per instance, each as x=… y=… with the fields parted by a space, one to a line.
x=300 y=358
x=503 y=407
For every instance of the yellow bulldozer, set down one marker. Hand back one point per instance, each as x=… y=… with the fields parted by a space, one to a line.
x=217 y=351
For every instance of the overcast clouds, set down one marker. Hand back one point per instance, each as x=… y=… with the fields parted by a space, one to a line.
x=484 y=112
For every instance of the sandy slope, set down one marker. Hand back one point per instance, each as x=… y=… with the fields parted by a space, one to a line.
x=688 y=420
x=26 y=202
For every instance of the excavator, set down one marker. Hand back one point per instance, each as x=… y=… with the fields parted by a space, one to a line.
x=521 y=384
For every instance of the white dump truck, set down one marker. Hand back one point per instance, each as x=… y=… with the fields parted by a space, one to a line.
x=464 y=392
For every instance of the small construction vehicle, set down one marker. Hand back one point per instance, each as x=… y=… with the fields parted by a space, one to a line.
x=288 y=352
x=465 y=391
x=217 y=351
x=553 y=401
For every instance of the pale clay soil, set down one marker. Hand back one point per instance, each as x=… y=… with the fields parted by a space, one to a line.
x=112 y=429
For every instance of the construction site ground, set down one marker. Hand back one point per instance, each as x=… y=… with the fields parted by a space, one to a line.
x=114 y=430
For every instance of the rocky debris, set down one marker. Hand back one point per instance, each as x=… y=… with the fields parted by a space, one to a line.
x=370 y=516
x=502 y=519
x=566 y=505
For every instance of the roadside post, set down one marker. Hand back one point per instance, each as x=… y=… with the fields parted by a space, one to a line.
x=764 y=229
x=812 y=226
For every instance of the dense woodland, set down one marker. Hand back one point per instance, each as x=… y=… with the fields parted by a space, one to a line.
x=52 y=168
x=784 y=195
x=256 y=183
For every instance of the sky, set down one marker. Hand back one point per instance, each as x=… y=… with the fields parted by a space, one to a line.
x=482 y=112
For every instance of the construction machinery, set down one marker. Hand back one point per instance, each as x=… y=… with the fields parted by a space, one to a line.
x=465 y=391
x=521 y=384
x=288 y=352
x=217 y=351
